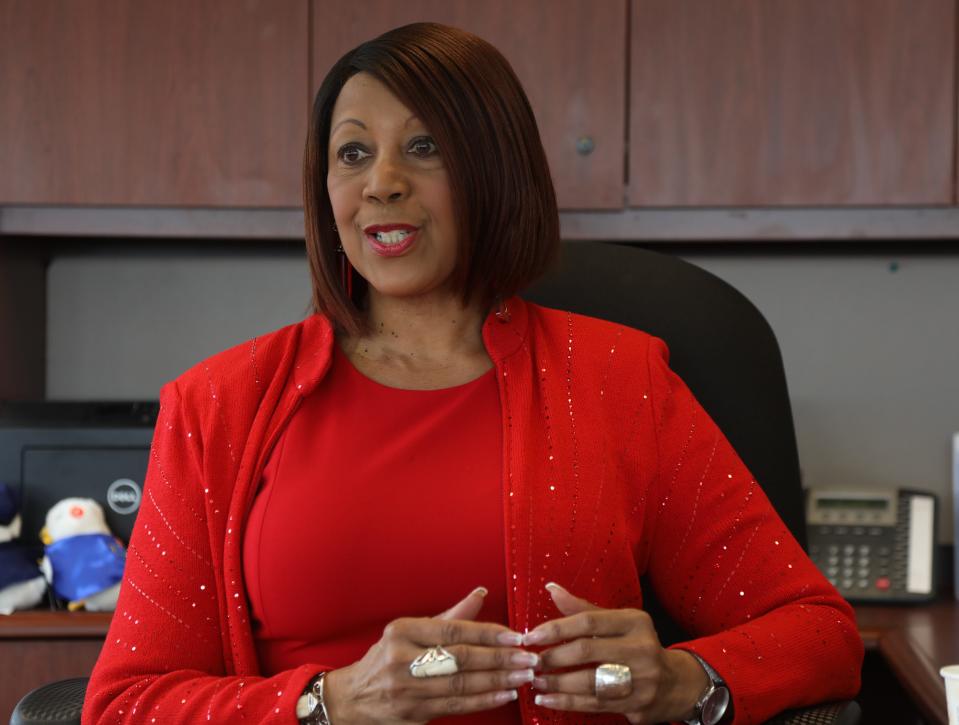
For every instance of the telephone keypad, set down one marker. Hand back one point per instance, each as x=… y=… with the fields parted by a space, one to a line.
x=859 y=568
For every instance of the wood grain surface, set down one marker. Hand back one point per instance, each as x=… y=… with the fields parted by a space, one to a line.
x=154 y=102
x=570 y=56
x=838 y=102
x=915 y=641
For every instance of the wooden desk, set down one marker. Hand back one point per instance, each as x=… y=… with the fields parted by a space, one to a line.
x=915 y=641
x=40 y=647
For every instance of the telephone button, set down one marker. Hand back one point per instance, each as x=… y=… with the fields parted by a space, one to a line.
x=883 y=583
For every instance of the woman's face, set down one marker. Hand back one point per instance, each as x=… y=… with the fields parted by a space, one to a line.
x=390 y=192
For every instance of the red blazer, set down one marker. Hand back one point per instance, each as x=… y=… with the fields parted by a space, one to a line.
x=611 y=470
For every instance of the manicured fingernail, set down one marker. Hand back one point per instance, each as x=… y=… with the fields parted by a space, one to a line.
x=505 y=696
x=520 y=677
x=539 y=683
x=545 y=700
x=553 y=585
x=534 y=637
x=513 y=638
x=482 y=591
x=527 y=659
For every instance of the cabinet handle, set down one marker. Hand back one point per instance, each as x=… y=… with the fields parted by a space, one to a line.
x=585 y=145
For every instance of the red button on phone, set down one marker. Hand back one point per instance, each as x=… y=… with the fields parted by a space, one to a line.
x=882 y=583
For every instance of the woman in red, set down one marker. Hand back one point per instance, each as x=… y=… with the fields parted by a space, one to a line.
x=320 y=499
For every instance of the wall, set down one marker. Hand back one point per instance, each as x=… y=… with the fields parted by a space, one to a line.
x=872 y=358
x=868 y=337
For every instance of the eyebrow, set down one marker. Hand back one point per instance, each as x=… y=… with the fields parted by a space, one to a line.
x=362 y=125
x=348 y=120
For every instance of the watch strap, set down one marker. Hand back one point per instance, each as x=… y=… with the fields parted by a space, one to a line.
x=716 y=682
x=310 y=707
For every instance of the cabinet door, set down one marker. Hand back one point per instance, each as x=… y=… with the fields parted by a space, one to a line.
x=780 y=102
x=569 y=54
x=153 y=102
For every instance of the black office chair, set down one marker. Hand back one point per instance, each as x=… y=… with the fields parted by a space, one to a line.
x=723 y=348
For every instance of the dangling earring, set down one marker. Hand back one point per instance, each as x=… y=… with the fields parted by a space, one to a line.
x=346 y=272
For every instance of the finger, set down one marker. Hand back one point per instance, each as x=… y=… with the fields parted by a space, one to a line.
x=589 y=650
x=431 y=631
x=583 y=682
x=566 y=602
x=472 y=683
x=583 y=703
x=468 y=607
x=456 y=705
x=580 y=682
x=591 y=623
x=473 y=658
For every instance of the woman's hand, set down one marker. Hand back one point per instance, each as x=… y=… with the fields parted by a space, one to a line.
x=380 y=689
x=665 y=683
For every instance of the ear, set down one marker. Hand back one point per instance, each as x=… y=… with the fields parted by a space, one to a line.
x=567 y=603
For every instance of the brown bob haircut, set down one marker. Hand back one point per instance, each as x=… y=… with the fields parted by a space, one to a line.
x=467 y=95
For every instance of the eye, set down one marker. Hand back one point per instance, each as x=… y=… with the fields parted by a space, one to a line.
x=352 y=153
x=423 y=146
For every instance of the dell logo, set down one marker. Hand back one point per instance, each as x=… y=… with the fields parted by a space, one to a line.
x=123 y=496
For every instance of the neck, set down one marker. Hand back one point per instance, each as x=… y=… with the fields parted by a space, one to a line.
x=415 y=331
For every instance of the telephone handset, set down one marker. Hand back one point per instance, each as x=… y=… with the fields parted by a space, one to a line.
x=874 y=545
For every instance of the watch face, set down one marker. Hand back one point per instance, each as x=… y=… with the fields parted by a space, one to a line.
x=715 y=706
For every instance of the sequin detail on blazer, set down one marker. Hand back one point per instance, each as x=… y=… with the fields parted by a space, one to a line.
x=611 y=470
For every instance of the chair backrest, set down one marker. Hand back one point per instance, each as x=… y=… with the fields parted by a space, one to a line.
x=720 y=345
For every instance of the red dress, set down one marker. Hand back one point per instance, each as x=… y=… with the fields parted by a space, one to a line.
x=376 y=503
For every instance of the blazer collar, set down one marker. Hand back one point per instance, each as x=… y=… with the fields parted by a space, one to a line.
x=503 y=335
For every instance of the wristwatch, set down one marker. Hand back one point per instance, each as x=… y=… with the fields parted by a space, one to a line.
x=310 y=708
x=713 y=703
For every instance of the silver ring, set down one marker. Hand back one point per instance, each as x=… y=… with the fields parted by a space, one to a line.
x=613 y=681
x=434 y=662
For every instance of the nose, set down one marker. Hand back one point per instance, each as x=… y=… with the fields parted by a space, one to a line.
x=387 y=183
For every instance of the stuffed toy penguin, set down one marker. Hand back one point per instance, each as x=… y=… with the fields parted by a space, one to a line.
x=84 y=561
x=21 y=584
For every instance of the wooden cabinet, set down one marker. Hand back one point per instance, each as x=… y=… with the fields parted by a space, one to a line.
x=569 y=54
x=202 y=107
x=153 y=102
x=832 y=102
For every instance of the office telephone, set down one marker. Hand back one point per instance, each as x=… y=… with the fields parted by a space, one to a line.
x=874 y=545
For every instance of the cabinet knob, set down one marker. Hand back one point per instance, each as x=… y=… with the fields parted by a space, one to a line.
x=585 y=145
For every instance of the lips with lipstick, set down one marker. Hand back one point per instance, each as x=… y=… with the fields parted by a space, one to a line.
x=390 y=240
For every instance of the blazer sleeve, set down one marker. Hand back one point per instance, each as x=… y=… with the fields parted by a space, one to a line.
x=163 y=657
x=728 y=570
